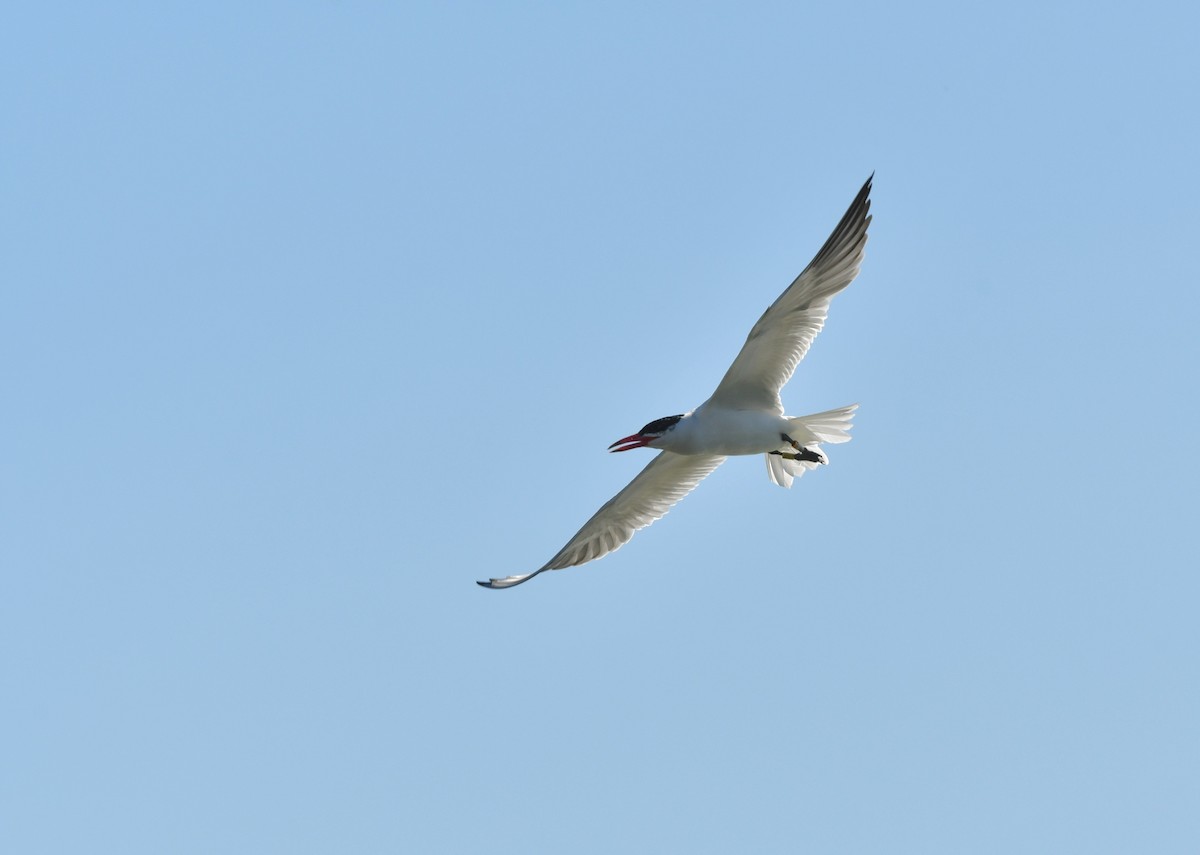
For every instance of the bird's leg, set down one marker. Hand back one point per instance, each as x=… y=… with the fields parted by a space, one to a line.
x=802 y=453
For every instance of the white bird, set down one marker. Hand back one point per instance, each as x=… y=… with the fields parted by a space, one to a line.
x=744 y=414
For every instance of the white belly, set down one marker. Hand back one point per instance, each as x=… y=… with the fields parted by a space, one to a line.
x=716 y=430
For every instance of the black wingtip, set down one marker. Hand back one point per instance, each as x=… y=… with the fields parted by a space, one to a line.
x=508 y=581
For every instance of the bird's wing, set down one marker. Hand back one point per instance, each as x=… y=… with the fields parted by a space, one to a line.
x=783 y=334
x=665 y=480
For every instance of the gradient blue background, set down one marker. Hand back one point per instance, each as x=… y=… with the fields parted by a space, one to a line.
x=313 y=314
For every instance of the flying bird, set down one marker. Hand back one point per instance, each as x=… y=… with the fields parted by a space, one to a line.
x=744 y=414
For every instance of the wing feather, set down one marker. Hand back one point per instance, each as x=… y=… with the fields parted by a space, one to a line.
x=786 y=330
x=656 y=489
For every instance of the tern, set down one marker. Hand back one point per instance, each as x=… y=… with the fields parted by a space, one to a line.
x=744 y=415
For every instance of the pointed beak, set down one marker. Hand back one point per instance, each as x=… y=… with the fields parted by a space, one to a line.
x=629 y=442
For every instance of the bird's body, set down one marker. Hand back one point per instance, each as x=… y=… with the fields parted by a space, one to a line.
x=712 y=429
x=743 y=416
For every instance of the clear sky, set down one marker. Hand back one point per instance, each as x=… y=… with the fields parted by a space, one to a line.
x=312 y=314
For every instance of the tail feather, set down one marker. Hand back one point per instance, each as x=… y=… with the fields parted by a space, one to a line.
x=831 y=426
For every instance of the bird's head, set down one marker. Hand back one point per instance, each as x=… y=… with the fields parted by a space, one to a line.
x=647 y=435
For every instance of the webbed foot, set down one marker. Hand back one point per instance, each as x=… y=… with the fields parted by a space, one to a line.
x=811 y=455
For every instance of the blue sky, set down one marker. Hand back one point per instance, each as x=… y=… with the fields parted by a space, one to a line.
x=313 y=314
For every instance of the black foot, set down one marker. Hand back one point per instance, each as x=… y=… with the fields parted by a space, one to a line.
x=811 y=455
x=803 y=454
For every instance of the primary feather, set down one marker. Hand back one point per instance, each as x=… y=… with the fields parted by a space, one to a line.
x=785 y=331
x=665 y=480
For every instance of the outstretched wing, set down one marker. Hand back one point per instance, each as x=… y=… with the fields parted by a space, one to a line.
x=783 y=334
x=665 y=480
